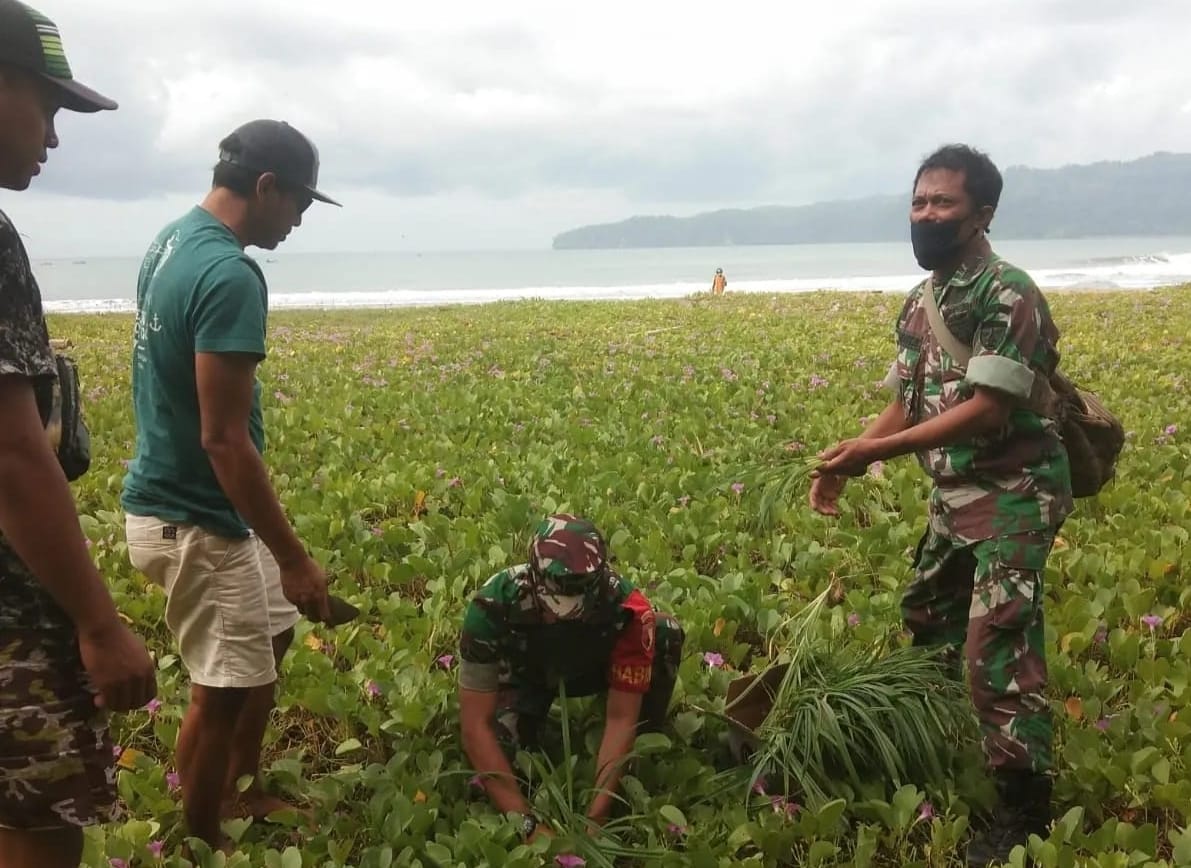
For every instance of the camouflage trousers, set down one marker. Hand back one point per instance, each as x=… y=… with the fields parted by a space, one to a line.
x=986 y=599
x=522 y=709
x=56 y=763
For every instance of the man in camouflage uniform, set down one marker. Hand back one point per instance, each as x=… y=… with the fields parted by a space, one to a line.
x=1001 y=477
x=567 y=618
x=66 y=659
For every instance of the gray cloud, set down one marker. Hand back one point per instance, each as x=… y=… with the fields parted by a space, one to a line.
x=665 y=105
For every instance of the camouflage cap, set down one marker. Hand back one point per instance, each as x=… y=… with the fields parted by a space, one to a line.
x=567 y=555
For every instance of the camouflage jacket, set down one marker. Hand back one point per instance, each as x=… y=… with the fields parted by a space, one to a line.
x=24 y=351
x=1012 y=480
x=514 y=635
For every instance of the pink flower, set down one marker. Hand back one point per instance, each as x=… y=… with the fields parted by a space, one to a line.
x=153 y=706
x=713 y=660
x=173 y=780
x=1152 y=621
x=1171 y=430
x=376 y=531
x=1101 y=635
x=853 y=620
x=155 y=847
x=117 y=750
x=782 y=805
x=759 y=787
x=446 y=660
x=676 y=830
x=455 y=482
x=1103 y=723
x=926 y=811
x=477 y=782
x=373 y=689
x=114 y=862
x=737 y=487
x=877 y=469
x=817 y=382
x=566 y=860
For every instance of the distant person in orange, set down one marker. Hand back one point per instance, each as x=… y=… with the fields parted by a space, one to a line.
x=719 y=283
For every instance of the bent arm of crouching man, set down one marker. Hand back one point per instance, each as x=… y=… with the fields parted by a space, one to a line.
x=629 y=677
x=479 y=685
x=620 y=731
x=477 y=708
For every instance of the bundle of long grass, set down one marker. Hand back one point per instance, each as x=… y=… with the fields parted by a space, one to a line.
x=774 y=481
x=843 y=720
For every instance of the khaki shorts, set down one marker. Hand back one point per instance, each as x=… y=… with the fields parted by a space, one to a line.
x=224 y=602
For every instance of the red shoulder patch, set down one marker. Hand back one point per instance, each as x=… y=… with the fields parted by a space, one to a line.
x=632 y=657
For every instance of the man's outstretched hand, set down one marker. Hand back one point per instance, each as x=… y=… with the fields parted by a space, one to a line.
x=849 y=458
x=825 y=492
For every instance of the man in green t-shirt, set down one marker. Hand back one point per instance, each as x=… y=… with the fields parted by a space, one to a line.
x=203 y=520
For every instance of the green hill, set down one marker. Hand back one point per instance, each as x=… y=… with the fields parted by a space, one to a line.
x=1147 y=196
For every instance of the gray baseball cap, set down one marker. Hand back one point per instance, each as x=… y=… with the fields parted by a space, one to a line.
x=274 y=146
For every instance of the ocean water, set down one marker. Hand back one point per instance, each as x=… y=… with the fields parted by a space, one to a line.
x=403 y=279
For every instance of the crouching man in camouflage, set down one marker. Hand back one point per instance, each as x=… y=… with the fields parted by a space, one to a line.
x=565 y=617
x=1002 y=484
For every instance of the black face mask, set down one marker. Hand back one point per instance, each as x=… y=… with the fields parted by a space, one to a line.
x=935 y=243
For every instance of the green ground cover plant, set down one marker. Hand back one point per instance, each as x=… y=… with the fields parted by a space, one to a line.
x=416 y=448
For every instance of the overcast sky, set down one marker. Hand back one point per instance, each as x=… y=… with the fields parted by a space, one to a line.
x=468 y=125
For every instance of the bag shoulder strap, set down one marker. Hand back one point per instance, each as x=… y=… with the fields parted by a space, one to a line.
x=958 y=352
x=1043 y=399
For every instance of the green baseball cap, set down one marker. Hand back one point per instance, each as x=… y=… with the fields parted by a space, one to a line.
x=30 y=41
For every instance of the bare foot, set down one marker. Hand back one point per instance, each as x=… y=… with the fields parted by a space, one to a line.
x=258 y=805
x=226 y=846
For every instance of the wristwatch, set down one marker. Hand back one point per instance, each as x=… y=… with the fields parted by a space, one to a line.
x=528 y=825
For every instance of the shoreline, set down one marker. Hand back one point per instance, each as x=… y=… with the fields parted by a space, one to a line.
x=320 y=301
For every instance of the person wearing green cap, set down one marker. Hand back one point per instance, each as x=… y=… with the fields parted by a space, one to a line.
x=203 y=520
x=563 y=618
x=66 y=658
